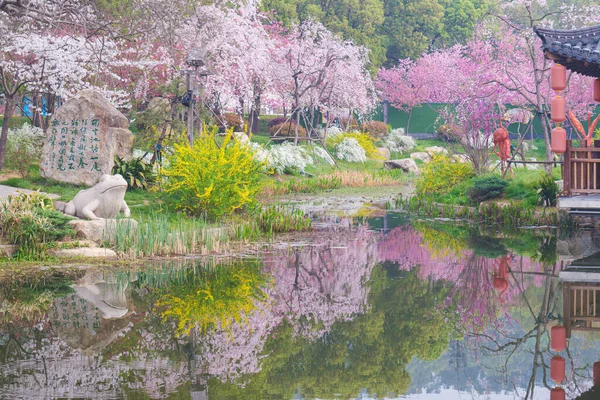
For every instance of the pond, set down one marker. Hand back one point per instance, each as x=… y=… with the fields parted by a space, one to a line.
x=380 y=307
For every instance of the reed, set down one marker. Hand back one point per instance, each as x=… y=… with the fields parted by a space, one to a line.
x=157 y=235
x=509 y=216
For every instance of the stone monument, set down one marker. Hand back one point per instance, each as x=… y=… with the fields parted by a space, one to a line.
x=84 y=136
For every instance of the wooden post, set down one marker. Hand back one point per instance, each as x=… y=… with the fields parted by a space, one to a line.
x=567 y=168
x=567 y=306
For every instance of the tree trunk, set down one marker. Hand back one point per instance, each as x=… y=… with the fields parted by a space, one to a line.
x=408 y=121
x=8 y=111
x=254 y=114
x=549 y=154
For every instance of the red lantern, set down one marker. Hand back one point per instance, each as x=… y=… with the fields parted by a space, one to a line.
x=596 y=373
x=559 y=143
x=558 y=334
x=557 y=369
x=558 y=77
x=558 y=109
x=597 y=89
x=558 y=394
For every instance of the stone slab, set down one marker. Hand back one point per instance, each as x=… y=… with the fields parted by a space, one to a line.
x=83 y=138
x=589 y=202
x=576 y=276
x=96 y=252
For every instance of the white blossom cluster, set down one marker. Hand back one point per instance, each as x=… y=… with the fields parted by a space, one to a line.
x=324 y=155
x=28 y=138
x=350 y=150
x=287 y=156
x=397 y=142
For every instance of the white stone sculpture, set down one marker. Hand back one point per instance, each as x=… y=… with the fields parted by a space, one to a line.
x=103 y=200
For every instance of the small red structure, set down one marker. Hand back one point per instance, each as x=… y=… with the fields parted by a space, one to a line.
x=558 y=394
x=557 y=369
x=558 y=338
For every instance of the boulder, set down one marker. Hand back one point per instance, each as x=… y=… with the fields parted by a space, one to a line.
x=384 y=153
x=405 y=164
x=84 y=136
x=421 y=156
x=103 y=230
x=436 y=150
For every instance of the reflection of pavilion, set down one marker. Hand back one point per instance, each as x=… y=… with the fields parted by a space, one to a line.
x=581 y=294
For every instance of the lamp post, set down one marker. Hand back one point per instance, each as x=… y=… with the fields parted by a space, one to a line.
x=194 y=60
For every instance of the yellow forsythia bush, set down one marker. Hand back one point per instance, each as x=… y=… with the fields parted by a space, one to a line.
x=441 y=174
x=207 y=180
x=364 y=140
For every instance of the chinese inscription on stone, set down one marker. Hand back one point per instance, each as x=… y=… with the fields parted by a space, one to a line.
x=75 y=145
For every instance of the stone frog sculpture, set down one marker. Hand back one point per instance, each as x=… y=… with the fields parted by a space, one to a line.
x=103 y=200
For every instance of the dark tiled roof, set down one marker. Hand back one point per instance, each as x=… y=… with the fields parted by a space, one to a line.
x=578 y=49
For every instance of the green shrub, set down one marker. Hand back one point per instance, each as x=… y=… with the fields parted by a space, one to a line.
x=136 y=172
x=442 y=174
x=487 y=188
x=377 y=129
x=547 y=190
x=30 y=222
x=207 y=180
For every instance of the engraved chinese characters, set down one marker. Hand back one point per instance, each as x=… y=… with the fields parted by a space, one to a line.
x=73 y=148
x=83 y=138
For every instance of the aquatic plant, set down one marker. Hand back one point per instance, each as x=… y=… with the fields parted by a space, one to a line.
x=278 y=218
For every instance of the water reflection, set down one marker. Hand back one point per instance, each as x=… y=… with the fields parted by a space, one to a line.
x=415 y=309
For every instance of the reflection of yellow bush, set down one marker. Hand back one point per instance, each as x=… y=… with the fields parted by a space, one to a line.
x=215 y=298
x=441 y=244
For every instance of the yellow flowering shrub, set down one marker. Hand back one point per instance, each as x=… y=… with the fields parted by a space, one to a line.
x=206 y=179
x=365 y=141
x=441 y=174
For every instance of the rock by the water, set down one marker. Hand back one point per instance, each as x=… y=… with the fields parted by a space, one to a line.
x=405 y=164
x=421 y=156
x=86 y=252
x=103 y=230
x=104 y=200
x=84 y=136
x=384 y=153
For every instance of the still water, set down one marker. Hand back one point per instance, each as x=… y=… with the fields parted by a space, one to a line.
x=383 y=308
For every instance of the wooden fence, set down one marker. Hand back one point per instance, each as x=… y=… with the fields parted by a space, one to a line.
x=581 y=171
x=581 y=307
